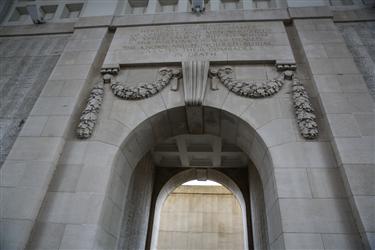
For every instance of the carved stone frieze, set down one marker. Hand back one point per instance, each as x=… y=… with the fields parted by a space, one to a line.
x=247 y=89
x=90 y=113
x=305 y=116
x=145 y=90
x=195 y=74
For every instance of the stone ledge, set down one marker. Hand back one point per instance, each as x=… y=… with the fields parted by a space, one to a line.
x=286 y=15
x=220 y=16
x=360 y=15
x=310 y=12
x=42 y=29
x=94 y=22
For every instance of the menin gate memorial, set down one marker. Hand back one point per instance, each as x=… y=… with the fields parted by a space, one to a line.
x=272 y=99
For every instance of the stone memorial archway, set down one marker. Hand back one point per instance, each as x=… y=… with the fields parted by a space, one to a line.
x=137 y=221
x=253 y=104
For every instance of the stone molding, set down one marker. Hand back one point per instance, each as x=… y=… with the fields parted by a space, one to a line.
x=306 y=119
x=28 y=30
x=244 y=15
x=89 y=115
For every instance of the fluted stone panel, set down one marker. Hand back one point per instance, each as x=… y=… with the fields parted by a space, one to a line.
x=195 y=78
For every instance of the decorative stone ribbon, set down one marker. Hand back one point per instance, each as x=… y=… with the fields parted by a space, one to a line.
x=90 y=113
x=248 y=89
x=306 y=119
x=147 y=89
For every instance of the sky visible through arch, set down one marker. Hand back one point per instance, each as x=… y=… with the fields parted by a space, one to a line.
x=201 y=183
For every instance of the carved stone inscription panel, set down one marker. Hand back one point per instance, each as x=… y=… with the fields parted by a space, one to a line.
x=245 y=41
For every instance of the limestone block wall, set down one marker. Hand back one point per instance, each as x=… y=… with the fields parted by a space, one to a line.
x=348 y=110
x=25 y=66
x=201 y=217
x=30 y=165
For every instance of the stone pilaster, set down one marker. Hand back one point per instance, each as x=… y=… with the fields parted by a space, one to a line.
x=343 y=98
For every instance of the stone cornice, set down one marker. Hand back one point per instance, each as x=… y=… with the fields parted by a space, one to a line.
x=31 y=30
x=112 y=22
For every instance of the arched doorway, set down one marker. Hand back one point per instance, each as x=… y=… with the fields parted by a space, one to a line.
x=128 y=217
x=203 y=174
x=181 y=158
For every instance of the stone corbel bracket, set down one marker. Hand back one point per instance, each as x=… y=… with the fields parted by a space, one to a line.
x=306 y=119
x=248 y=89
x=89 y=115
x=145 y=90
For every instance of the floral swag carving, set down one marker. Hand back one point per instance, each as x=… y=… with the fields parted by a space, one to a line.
x=247 y=89
x=306 y=119
x=147 y=89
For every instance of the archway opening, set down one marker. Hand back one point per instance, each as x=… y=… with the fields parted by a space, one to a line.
x=201 y=215
x=229 y=151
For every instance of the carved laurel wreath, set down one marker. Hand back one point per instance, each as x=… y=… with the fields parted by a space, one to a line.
x=305 y=116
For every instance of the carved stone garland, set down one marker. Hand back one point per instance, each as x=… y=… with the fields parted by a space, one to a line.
x=147 y=89
x=90 y=113
x=304 y=111
x=248 y=89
